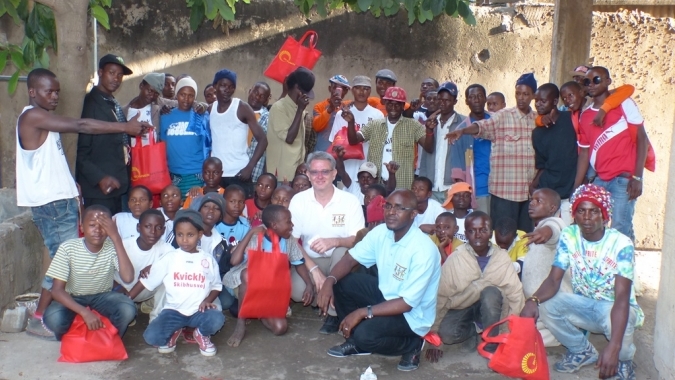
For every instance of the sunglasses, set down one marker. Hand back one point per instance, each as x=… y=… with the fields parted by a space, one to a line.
x=595 y=80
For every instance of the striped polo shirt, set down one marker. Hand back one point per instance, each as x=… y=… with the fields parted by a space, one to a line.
x=84 y=272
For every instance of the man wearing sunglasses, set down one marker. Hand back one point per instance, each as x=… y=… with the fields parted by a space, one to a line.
x=617 y=150
x=388 y=314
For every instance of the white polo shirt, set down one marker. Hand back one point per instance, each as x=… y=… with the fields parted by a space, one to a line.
x=409 y=268
x=342 y=217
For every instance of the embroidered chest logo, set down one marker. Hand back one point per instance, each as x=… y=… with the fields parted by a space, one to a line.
x=399 y=272
x=338 y=220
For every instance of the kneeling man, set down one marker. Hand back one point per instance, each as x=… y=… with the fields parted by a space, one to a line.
x=388 y=314
x=601 y=261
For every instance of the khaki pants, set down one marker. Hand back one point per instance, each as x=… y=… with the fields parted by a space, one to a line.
x=325 y=265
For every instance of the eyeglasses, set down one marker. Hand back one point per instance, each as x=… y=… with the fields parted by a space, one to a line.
x=396 y=208
x=315 y=173
x=596 y=80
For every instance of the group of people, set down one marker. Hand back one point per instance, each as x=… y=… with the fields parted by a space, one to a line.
x=399 y=217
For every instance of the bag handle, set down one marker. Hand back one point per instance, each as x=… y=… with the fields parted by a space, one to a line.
x=482 y=352
x=313 y=38
x=275 y=241
x=151 y=138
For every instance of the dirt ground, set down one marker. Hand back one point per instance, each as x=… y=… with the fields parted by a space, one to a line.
x=300 y=354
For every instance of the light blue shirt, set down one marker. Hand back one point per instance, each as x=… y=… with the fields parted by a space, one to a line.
x=408 y=269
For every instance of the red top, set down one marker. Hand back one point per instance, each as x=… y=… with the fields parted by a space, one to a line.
x=251 y=210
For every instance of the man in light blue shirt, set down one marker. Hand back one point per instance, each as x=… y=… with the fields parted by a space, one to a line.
x=388 y=314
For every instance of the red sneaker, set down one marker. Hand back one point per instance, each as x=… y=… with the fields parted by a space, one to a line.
x=171 y=345
x=205 y=346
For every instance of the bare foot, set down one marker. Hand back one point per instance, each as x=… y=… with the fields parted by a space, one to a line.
x=238 y=334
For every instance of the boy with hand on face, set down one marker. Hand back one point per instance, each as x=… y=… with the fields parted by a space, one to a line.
x=444 y=235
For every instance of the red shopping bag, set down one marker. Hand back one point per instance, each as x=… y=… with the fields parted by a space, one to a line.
x=521 y=352
x=352 y=152
x=269 y=282
x=148 y=164
x=292 y=55
x=81 y=345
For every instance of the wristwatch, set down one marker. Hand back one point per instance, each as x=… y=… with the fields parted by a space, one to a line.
x=370 y=312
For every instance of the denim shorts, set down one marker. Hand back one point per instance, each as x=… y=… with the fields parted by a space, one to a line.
x=57 y=222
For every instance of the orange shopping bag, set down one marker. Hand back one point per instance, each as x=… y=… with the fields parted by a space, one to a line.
x=148 y=164
x=292 y=55
x=269 y=282
x=81 y=345
x=352 y=152
x=521 y=352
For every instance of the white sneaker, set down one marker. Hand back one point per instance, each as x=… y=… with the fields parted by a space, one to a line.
x=206 y=347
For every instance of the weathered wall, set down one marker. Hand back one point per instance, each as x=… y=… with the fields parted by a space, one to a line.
x=155 y=36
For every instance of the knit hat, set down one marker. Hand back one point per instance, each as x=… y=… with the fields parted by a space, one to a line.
x=155 y=80
x=375 y=210
x=340 y=79
x=528 y=80
x=225 y=74
x=215 y=198
x=186 y=82
x=193 y=215
x=458 y=187
x=597 y=195
x=396 y=94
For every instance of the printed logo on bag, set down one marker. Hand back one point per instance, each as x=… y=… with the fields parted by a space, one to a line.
x=285 y=56
x=136 y=174
x=399 y=272
x=338 y=220
x=529 y=363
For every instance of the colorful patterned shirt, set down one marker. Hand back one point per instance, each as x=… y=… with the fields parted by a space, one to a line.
x=512 y=157
x=262 y=115
x=407 y=133
x=594 y=264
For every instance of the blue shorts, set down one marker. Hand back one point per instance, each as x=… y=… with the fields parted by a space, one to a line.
x=57 y=222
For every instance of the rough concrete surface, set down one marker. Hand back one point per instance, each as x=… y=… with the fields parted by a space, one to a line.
x=300 y=354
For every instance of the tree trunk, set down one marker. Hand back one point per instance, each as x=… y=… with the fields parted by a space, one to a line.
x=72 y=60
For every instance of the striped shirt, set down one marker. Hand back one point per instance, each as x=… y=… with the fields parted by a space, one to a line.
x=512 y=158
x=407 y=133
x=84 y=272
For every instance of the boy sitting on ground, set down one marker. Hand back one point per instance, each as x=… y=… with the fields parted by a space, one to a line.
x=191 y=281
x=83 y=271
x=262 y=195
x=300 y=183
x=282 y=196
x=140 y=199
x=169 y=200
x=212 y=172
x=276 y=219
x=508 y=237
x=366 y=176
x=459 y=201
x=444 y=235
x=427 y=209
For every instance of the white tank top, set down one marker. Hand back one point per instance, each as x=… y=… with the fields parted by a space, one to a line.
x=230 y=138
x=42 y=175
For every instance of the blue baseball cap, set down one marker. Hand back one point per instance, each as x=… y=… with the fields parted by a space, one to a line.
x=450 y=88
x=340 y=79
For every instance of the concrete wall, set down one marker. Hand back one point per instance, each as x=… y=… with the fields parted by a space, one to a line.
x=21 y=250
x=507 y=42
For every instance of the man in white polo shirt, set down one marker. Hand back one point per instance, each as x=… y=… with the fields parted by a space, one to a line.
x=326 y=219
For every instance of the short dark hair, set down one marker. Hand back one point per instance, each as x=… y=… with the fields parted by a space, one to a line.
x=213 y=160
x=37 y=74
x=151 y=212
x=551 y=89
x=447 y=214
x=94 y=208
x=169 y=75
x=475 y=85
x=272 y=176
x=425 y=181
x=272 y=213
x=234 y=188
x=478 y=214
x=379 y=188
x=602 y=69
x=302 y=77
x=145 y=189
x=262 y=83
x=207 y=87
x=573 y=84
x=499 y=95
x=506 y=226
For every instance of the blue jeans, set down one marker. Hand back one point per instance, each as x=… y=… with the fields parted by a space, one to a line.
x=159 y=331
x=566 y=313
x=226 y=298
x=622 y=215
x=117 y=307
x=57 y=222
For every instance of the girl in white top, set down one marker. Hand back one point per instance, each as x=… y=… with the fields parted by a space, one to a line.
x=140 y=199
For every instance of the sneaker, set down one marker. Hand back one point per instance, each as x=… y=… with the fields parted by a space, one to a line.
x=171 y=344
x=411 y=361
x=289 y=312
x=147 y=306
x=37 y=328
x=206 y=348
x=188 y=335
x=132 y=323
x=345 y=349
x=626 y=370
x=469 y=345
x=330 y=326
x=572 y=362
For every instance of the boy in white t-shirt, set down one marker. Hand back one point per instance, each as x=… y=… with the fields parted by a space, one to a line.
x=140 y=199
x=427 y=209
x=143 y=251
x=192 y=282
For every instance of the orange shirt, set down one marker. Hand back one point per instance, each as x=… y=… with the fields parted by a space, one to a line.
x=322 y=116
x=375 y=101
x=188 y=200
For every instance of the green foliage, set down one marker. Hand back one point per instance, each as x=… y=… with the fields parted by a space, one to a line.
x=418 y=10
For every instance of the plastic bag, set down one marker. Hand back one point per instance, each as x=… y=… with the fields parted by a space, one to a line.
x=81 y=345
